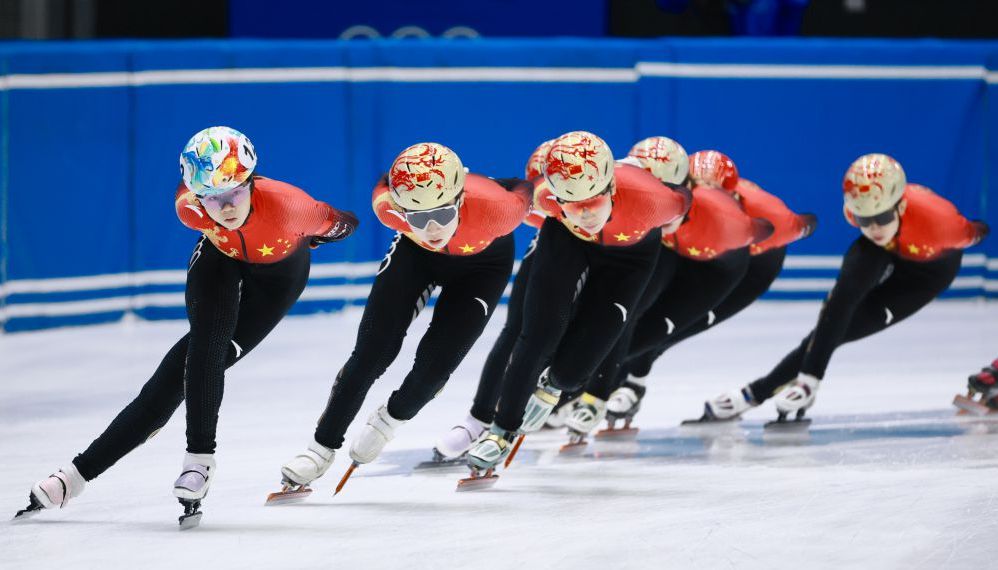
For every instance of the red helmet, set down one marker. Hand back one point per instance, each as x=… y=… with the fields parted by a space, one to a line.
x=712 y=168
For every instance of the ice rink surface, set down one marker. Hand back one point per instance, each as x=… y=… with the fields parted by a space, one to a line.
x=889 y=479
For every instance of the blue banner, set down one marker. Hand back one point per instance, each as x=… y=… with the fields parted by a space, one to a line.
x=90 y=133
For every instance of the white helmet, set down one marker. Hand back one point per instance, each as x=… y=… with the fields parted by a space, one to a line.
x=425 y=176
x=579 y=165
x=215 y=160
x=663 y=157
x=535 y=164
x=873 y=185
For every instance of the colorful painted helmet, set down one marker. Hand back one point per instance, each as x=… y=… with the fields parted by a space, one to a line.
x=425 y=176
x=663 y=157
x=712 y=168
x=535 y=164
x=216 y=160
x=579 y=165
x=873 y=185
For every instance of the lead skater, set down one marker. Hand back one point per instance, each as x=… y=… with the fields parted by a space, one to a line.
x=245 y=273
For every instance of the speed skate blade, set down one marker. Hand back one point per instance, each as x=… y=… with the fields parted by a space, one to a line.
x=441 y=464
x=969 y=406
x=288 y=495
x=704 y=422
x=34 y=507
x=788 y=426
x=617 y=433
x=577 y=443
x=25 y=514
x=477 y=483
x=188 y=522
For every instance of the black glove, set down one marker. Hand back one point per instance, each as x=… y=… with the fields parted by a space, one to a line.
x=810 y=224
x=510 y=184
x=345 y=225
x=982 y=231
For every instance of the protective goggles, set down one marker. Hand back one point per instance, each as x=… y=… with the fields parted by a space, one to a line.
x=419 y=219
x=595 y=203
x=881 y=219
x=235 y=197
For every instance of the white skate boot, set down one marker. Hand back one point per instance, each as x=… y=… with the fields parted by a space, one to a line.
x=795 y=399
x=54 y=491
x=586 y=415
x=625 y=401
x=380 y=429
x=726 y=408
x=556 y=420
x=798 y=396
x=194 y=480
x=541 y=402
x=456 y=442
x=192 y=486
x=730 y=405
x=310 y=465
x=300 y=471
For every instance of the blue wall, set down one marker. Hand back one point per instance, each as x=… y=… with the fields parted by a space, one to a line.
x=88 y=158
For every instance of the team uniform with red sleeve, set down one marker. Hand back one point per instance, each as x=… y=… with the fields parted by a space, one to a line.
x=880 y=286
x=764 y=265
x=699 y=266
x=583 y=287
x=240 y=284
x=483 y=406
x=471 y=270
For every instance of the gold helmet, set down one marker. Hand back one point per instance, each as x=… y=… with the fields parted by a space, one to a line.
x=579 y=165
x=425 y=176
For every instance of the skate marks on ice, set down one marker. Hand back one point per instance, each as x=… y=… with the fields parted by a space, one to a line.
x=900 y=438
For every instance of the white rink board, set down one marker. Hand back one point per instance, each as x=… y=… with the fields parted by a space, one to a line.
x=889 y=479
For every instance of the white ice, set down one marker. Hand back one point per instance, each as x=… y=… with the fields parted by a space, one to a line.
x=889 y=479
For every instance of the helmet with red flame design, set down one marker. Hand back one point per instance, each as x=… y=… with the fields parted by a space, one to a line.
x=713 y=168
x=579 y=165
x=216 y=160
x=873 y=185
x=535 y=164
x=425 y=176
x=663 y=157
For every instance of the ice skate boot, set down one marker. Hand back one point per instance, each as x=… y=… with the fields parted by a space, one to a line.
x=379 y=430
x=192 y=486
x=560 y=413
x=728 y=407
x=982 y=393
x=623 y=405
x=483 y=457
x=453 y=445
x=54 y=491
x=794 y=399
x=588 y=413
x=298 y=473
x=541 y=402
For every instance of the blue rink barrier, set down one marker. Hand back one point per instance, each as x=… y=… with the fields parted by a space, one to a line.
x=90 y=133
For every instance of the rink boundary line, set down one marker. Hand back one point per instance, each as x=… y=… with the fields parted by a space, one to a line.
x=159 y=300
x=359 y=270
x=27 y=81
x=355 y=293
x=811 y=71
x=161 y=277
x=319 y=75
